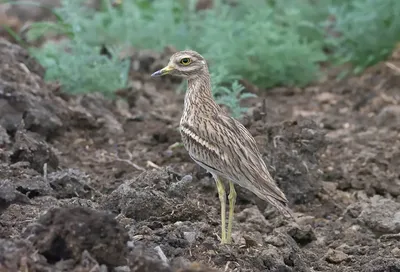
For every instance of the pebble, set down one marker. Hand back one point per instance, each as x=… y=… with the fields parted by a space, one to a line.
x=190 y=236
x=4 y=138
x=336 y=256
x=274 y=240
x=396 y=252
x=381 y=215
x=122 y=269
x=326 y=97
x=389 y=116
x=303 y=235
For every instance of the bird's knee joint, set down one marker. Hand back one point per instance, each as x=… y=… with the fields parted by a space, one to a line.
x=221 y=192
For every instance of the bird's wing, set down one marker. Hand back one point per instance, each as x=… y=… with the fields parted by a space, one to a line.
x=243 y=134
x=231 y=150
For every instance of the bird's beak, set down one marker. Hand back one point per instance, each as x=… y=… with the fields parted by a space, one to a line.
x=164 y=71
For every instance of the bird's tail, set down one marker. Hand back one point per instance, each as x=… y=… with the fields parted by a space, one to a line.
x=281 y=206
x=267 y=190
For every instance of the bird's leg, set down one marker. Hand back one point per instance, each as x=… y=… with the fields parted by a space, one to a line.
x=232 y=202
x=222 y=199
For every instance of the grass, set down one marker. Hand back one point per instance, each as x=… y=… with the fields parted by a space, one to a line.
x=269 y=43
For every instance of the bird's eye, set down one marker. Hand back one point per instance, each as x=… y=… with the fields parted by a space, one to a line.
x=185 y=61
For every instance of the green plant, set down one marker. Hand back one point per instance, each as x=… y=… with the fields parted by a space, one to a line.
x=80 y=68
x=76 y=64
x=254 y=44
x=249 y=38
x=229 y=96
x=368 y=31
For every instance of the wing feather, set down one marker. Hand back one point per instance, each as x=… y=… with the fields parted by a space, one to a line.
x=232 y=144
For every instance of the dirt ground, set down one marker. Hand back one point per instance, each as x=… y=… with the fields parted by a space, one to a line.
x=90 y=184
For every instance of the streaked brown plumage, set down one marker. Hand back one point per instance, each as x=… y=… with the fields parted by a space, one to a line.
x=219 y=143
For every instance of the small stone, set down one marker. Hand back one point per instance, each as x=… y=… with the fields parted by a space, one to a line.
x=122 y=269
x=4 y=137
x=326 y=97
x=238 y=239
x=190 y=236
x=381 y=215
x=329 y=187
x=389 y=116
x=274 y=240
x=336 y=256
x=345 y=248
x=305 y=219
x=180 y=188
x=178 y=223
x=303 y=235
x=396 y=252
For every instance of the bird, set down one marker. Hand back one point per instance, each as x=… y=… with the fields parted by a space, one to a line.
x=219 y=143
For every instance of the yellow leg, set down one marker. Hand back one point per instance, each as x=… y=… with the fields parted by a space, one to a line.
x=232 y=202
x=222 y=199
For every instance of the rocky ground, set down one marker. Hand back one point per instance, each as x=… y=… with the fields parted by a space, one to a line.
x=90 y=184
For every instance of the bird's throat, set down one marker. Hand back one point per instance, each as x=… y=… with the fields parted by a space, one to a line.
x=199 y=86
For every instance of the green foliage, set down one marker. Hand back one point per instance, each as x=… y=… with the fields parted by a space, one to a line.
x=369 y=31
x=232 y=96
x=253 y=42
x=40 y=29
x=249 y=39
x=76 y=64
x=81 y=69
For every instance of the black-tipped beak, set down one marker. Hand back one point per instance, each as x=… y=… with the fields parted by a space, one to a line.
x=164 y=71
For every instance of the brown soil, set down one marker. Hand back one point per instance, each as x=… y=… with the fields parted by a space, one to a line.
x=89 y=184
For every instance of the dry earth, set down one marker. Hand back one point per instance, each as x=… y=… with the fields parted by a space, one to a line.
x=89 y=184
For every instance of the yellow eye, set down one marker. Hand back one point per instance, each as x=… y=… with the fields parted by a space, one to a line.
x=185 y=61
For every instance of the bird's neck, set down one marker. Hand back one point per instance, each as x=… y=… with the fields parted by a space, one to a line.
x=199 y=86
x=199 y=98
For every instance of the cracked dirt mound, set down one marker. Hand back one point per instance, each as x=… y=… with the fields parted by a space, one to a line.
x=88 y=184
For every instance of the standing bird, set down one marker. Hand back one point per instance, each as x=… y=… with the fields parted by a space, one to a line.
x=219 y=143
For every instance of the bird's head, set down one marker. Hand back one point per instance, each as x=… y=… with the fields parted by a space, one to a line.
x=187 y=64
